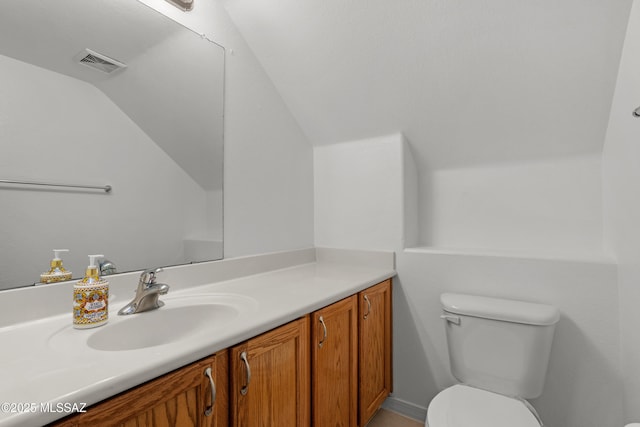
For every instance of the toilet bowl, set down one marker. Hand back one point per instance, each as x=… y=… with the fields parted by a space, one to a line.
x=498 y=351
x=465 y=406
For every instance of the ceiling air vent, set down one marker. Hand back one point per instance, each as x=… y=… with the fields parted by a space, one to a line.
x=99 y=62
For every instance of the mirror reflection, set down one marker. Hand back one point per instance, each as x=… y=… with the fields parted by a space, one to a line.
x=107 y=92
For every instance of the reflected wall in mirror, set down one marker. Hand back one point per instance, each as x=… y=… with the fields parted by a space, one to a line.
x=152 y=130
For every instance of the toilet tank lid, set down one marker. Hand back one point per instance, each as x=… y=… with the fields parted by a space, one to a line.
x=500 y=309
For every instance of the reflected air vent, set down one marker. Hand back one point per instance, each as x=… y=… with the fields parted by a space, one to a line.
x=185 y=5
x=99 y=62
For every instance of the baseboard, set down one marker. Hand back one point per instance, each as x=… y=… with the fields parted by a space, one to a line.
x=405 y=408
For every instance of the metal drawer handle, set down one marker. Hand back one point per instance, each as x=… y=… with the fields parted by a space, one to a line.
x=245 y=388
x=209 y=410
x=324 y=338
x=366 y=298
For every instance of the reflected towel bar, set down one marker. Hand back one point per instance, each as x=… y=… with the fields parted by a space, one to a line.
x=105 y=188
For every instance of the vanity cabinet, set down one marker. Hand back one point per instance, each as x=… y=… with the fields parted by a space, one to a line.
x=334 y=364
x=374 y=318
x=180 y=398
x=331 y=368
x=270 y=379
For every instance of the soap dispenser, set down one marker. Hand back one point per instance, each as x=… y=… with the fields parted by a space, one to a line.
x=56 y=273
x=91 y=298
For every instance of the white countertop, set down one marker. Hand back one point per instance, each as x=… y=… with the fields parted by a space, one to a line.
x=46 y=360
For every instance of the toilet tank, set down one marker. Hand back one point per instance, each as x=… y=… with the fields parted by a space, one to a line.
x=499 y=345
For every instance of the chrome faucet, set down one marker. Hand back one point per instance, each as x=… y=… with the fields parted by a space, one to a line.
x=147 y=294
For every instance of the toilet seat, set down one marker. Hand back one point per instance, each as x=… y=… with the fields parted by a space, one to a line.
x=465 y=406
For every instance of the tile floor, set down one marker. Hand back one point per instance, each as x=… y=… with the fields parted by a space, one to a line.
x=386 y=418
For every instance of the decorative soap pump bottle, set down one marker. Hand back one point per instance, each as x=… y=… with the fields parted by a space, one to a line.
x=91 y=298
x=56 y=273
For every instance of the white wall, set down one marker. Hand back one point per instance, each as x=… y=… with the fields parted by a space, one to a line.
x=368 y=191
x=48 y=122
x=268 y=170
x=622 y=203
x=546 y=206
x=359 y=206
x=358 y=189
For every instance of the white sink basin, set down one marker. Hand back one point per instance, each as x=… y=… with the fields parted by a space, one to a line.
x=162 y=326
x=180 y=318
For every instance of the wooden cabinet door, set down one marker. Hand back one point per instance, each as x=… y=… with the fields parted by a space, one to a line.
x=375 y=382
x=180 y=398
x=270 y=378
x=334 y=362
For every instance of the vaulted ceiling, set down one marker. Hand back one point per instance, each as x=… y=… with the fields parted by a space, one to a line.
x=467 y=82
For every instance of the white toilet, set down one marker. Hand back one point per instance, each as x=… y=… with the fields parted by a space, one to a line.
x=499 y=351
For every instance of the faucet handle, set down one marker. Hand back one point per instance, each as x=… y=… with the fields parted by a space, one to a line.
x=148 y=277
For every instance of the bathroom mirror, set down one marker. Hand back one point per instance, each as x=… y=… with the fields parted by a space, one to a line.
x=107 y=92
